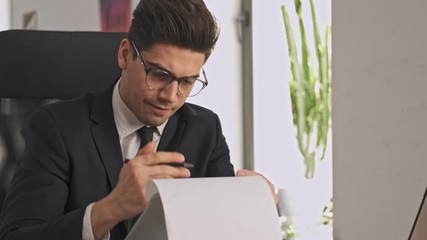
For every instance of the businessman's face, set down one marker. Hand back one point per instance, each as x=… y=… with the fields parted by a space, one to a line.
x=154 y=104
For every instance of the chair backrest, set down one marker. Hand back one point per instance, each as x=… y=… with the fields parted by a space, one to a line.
x=40 y=67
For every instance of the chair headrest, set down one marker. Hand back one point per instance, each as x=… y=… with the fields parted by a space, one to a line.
x=57 y=64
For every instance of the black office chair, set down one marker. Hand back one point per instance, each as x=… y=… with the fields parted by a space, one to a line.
x=40 y=67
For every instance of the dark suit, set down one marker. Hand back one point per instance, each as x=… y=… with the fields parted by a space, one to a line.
x=73 y=158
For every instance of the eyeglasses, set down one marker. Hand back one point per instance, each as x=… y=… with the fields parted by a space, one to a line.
x=158 y=79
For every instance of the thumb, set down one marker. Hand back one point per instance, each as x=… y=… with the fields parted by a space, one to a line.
x=148 y=148
x=245 y=172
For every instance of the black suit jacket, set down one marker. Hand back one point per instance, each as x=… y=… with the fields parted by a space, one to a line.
x=73 y=158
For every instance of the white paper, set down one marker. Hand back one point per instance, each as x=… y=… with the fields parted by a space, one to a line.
x=222 y=208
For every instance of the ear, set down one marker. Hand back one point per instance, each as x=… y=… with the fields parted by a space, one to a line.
x=124 y=54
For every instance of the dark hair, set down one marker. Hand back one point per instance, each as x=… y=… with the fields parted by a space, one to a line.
x=182 y=23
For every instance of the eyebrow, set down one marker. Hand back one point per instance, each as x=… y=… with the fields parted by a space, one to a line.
x=160 y=67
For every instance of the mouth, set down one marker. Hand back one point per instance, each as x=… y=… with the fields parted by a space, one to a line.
x=159 y=111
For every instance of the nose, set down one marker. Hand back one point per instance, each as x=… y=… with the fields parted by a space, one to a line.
x=170 y=92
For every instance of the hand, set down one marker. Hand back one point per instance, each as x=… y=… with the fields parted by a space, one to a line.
x=245 y=172
x=128 y=198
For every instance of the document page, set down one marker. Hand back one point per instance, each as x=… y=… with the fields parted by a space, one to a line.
x=226 y=208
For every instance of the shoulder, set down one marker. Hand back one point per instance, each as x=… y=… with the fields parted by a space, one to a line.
x=195 y=110
x=67 y=114
x=79 y=107
x=192 y=112
x=198 y=119
x=65 y=107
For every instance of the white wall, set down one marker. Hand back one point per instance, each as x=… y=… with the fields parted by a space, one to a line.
x=276 y=151
x=223 y=68
x=4 y=14
x=58 y=15
x=379 y=116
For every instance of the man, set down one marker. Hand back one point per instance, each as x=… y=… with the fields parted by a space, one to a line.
x=84 y=174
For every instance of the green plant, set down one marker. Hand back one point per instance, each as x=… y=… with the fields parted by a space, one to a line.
x=288 y=229
x=310 y=92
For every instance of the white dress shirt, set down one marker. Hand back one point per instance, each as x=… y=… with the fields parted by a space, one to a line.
x=127 y=124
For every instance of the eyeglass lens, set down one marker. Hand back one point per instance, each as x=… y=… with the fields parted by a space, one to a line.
x=188 y=87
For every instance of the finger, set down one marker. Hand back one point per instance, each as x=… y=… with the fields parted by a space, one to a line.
x=166 y=171
x=152 y=166
x=148 y=148
x=245 y=172
x=159 y=158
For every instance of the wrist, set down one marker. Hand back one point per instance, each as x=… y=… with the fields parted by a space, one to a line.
x=103 y=218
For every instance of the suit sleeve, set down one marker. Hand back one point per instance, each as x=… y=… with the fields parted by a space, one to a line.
x=35 y=206
x=219 y=163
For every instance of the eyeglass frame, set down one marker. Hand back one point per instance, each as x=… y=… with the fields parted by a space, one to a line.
x=172 y=77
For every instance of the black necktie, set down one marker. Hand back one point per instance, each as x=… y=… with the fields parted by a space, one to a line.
x=146 y=134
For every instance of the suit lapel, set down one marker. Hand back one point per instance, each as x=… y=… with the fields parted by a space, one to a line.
x=172 y=134
x=106 y=137
x=105 y=134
